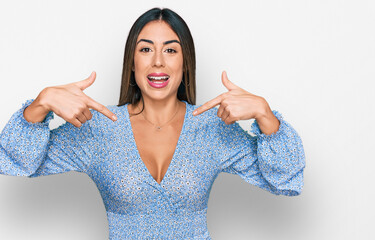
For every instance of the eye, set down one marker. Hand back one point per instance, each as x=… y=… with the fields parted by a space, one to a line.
x=145 y=49
x=170 y=50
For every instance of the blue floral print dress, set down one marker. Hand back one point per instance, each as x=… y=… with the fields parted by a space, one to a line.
x=137 y=206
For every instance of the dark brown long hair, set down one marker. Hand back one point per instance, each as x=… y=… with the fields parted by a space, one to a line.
x=130 y=92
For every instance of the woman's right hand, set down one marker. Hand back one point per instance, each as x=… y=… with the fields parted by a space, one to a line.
x=67 y=101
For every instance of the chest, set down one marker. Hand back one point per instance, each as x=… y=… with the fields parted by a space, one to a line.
x=139 y=168
x=156 y=147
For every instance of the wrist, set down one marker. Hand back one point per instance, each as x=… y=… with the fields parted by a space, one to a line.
x=37 y=110
x=267 y=121
x=41 y=101
x=264 y=111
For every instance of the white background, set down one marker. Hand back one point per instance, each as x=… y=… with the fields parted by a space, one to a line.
x=314 y=61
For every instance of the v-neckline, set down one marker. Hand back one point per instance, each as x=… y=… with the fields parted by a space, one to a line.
x=138 y=155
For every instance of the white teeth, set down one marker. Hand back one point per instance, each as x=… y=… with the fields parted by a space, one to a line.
x=158 y=78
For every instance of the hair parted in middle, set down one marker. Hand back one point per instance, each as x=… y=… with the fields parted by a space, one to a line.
x=130 y=92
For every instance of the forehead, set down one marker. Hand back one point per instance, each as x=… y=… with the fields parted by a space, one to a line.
x=157 y=31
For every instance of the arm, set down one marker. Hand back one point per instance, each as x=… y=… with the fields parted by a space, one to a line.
x=32 y=149
x=272 y=162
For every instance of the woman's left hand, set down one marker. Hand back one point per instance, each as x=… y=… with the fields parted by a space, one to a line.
x=238 y=104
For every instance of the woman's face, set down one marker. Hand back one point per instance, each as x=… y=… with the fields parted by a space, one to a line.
x=158 y=61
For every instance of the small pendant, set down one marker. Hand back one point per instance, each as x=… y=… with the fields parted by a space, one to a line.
x=158 y=128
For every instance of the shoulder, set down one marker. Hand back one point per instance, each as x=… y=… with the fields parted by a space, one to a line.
x=207 y=119
x=208 y=116
x=117 y=110
x=212 y=128
x=101 y=121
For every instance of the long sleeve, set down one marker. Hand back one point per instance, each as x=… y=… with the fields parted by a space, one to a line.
x=272 y=162
x=32 y=149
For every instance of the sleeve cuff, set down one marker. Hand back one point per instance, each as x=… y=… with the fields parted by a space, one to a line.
x=256 y=129
x=46 y=120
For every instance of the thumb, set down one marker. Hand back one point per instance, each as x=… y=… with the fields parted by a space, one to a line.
x=83 y=84
x=228 y=84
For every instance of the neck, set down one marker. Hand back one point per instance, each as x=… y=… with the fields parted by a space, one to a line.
x=159 y=112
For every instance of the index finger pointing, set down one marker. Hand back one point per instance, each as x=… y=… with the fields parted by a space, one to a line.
x=102 y=109
x=208 y=105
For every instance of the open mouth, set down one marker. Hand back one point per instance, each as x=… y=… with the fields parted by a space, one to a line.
x=158 y=79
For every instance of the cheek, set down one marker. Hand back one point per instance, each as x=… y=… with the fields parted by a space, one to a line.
x=138 y=62
x=176 y=64
x=141 y=61
x=138 y=68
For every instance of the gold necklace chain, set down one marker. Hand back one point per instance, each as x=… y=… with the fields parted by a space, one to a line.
x=159 y=127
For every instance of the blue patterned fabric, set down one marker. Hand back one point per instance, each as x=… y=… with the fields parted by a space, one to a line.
x=137 y=206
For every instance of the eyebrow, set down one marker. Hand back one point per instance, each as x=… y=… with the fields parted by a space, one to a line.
x=164 y=43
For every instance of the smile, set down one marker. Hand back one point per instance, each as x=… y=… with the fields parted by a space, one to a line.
x=158 y=80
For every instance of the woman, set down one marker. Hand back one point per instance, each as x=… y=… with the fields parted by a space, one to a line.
x=155 y=156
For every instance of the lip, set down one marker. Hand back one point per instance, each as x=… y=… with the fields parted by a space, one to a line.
x=157 y=75
x=160 y=84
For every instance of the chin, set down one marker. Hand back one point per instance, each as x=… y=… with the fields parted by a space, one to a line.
x=158 y=95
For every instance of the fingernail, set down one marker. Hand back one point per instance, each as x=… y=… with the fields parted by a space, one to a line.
x=195 y=112
x=114 y=117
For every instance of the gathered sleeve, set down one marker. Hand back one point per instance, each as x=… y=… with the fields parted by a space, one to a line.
x=32 y=149
x=272 y=162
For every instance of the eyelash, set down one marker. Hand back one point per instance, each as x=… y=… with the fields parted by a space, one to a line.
x=173 y=51
x=143 y=50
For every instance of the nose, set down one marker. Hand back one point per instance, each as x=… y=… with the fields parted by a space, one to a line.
x=158 y=59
